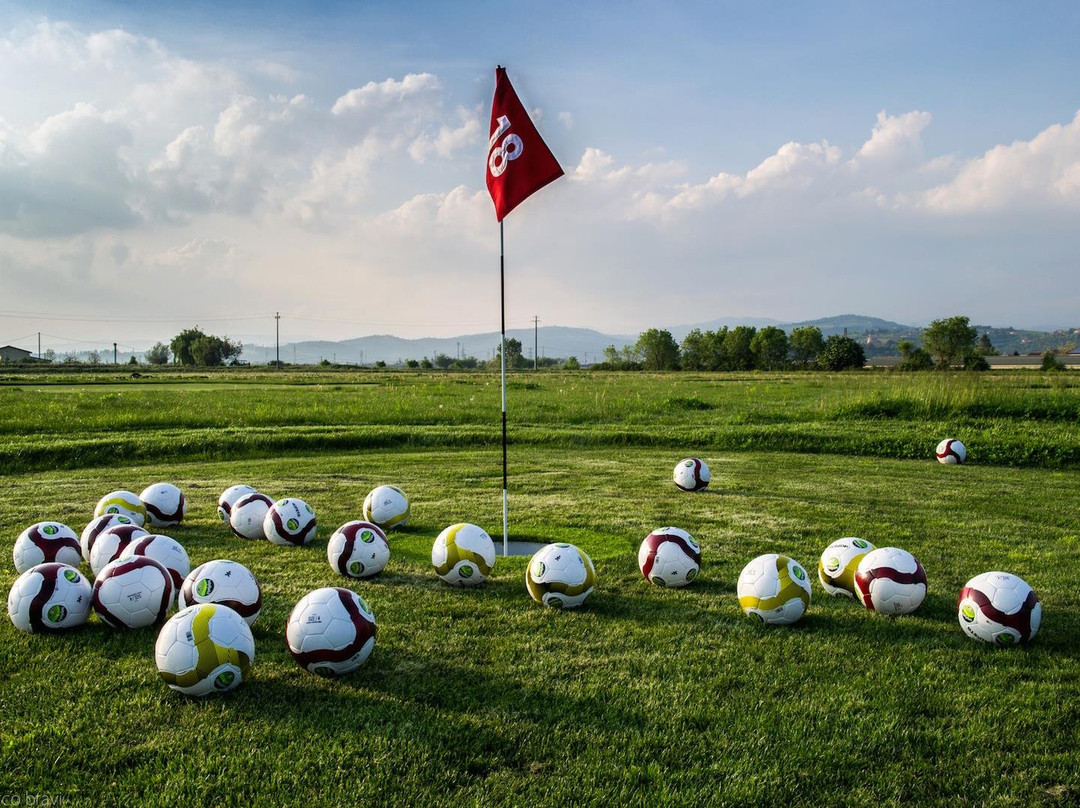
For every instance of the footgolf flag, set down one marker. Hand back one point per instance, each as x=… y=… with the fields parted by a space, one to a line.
x=519 y=164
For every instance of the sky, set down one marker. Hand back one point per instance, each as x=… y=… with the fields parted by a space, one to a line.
x=170 y=165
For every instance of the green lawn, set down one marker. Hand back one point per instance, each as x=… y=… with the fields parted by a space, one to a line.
x=643 y=697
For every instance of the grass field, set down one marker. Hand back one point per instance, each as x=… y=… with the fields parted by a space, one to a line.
x=643 y=697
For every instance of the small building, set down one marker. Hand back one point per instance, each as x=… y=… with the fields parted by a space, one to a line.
x=9 y=353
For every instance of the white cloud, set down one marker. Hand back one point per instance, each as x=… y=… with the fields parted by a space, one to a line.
x=448 y=139
x=377 y=94
x=567 y=120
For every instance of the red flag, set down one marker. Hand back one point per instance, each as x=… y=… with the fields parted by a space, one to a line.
x=519 y=162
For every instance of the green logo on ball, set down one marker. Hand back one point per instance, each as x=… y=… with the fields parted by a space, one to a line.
x=57 y=613
x=204 y=587
x=50 y=530
x=555 y=602
x=1005 y=639
x=862 y=545
x=309 y=508
x=366 y=536
x=71 y=575
x=356 y=568
x=967 y=611
x=465 y=571
x=539 y=568
x=833 y=564
x=797 y=571
x=292 y=524
x=224 y=680
x=691 y=574
x=659 y=580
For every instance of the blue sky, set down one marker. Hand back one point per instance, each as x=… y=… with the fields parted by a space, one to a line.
x=793 y=160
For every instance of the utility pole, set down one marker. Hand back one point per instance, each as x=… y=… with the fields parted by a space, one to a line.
x=39 y=345
x=536 y=329
x=277 y=338
x=115 y=361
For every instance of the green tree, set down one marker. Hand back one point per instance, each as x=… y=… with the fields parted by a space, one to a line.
x=841 y=353
x=769 y=347
x=572 y=363
x=806 y=344
x=425 y=363
x=694 y=352
x=158 y=354
x=412 y=363
x=658 y=350
x=951 y=340
x=737 y=347
x=1050 y=362
x=50 y=355
x=914 y=358
x=93 y=358
x=443 y=360
x=986 y=347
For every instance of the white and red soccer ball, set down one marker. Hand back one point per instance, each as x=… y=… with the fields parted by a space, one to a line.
x=669 y=556
x=228 y=499
x=247 y=514
x=358 y=549
x=951 y=452
x=692 y=474
x=224 y=582
x=111 y=542
x=1000 y=609
x=166 y=551
x=44 y=543
x=133 y=592
x=331 y=631
x=165 y=504
x=97 y=526
x=891 y=581
x=290 y=522
x=49 y=598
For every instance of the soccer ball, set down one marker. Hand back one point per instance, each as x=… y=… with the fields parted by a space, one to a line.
x=999 y=608
x=692 y=475
x=387 y=506
x=358 y=550
x=836 y=569
x=228 y=499
x=891 y=581
x=110 y=543
x=951 y=451
x=46 y=542
x=165 y=504
x=561 y=576
x=164 y=550
x=669 y=556
x=206 y=648
x=225 y=582
x=122 y=502
x=290 y=522
x=133 y=593
x=247 y=515
x=775 y=589
x=463 y=555
x=97 y=526
x=49 y=597
x=331 y=631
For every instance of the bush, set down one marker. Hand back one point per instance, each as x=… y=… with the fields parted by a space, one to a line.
x=412 y=363
x=841 y=353
x=1050 y=362
x=916 y=359
x=572 y=364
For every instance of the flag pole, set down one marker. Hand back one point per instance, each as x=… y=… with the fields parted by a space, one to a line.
x=502 y=310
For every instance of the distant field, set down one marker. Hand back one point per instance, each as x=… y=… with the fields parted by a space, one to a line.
x=645 y=696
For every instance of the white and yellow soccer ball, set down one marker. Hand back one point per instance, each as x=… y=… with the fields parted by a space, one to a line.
x=290 y=522
x=1000 y=609
x=228 y=499
x=45 y=543
x=387 y=506
x=166 y=551
x=838 y=563
x=133 y=593
x=124 y=503
x=331 y=631
x=248 y=514
x=775 y=589
x=49 y=598
x=669 y=556
x=358 y=550
x=951 y=452
x=165 y=504
x=228 y=583
x=111 y=542
x=463 y=555
x=891 y=581
x=205 y=648
x=560 y=576
x=97 y=526
x=691 y=474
